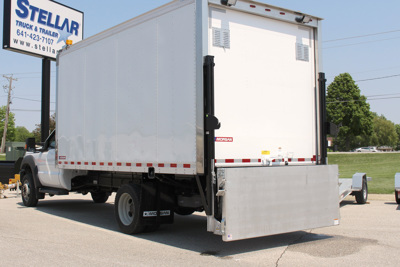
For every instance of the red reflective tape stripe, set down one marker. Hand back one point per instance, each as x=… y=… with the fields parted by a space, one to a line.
x=119 y=164
x=301 y=159
x=282 y=13
x=60 y=162
x=65 y=162
x=246 y=160
x=128 y=164
x=186 y=165
x=86 y=163
x=93 y=163
x=79 y=163
x=101 y=163
x=289 y=160
x=229 y=161
x=259 y=160
x=252 y=6
x=149 y=164
x=110 y=164
x=268 y=10
x=72 y=163
x=161 y=165
x=174 y=165
x=138 y=164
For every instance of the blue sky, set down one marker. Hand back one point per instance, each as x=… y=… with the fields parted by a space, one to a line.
x=373 y=56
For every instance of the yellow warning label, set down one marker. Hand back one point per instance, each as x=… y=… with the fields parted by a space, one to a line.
x=265 y=152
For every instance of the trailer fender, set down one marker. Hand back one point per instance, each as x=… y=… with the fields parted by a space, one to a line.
x=397 y=181
x=357 y=183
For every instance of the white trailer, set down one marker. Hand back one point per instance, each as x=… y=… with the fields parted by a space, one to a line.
x=214 y=106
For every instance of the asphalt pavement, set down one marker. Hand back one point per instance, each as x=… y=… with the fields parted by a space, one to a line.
x=74 y=231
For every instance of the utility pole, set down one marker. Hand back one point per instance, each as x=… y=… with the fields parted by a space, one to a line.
x=9 y=87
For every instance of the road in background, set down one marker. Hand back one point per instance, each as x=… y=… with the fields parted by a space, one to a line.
x=74 y=231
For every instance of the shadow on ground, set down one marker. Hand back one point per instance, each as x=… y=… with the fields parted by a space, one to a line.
x=187 y=232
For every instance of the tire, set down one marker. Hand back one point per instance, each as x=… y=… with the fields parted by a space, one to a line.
x=396 y=194
x=28 y=191
x=100 y=197
x=184 y=211
x=127 y=209
x=362 y=196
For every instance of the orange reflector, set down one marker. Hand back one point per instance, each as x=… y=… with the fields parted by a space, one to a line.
x=69 y=42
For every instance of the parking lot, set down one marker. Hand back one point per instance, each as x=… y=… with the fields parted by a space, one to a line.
x=73 y=231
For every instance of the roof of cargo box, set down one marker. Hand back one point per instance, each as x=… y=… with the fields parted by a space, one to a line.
x=270 y=8
x=250 y=6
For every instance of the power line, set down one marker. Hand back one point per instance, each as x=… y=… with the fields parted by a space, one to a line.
x=359 y=36
x=379 y=78
x=33 y=100
x=368 y=42
x=29 y=110
x=368 y=99
x=23 y=73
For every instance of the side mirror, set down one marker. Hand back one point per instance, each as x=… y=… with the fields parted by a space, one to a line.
x=30 y=145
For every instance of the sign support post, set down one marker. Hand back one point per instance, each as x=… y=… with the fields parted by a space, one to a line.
x=45 y=122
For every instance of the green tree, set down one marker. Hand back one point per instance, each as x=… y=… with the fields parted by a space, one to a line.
x=21 y=134
x=349 y=110
x=11 y=124
x=38 y=131
x=384 y=132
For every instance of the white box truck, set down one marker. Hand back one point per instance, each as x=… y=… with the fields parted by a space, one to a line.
x=214 y=106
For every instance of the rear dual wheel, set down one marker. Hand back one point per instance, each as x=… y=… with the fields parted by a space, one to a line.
x=127 y=209
x=397 y=193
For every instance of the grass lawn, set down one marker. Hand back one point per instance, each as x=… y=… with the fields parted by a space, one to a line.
x=380 y=166
x=2 y=156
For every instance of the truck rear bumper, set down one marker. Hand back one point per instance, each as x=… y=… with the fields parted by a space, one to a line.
x=273 y=200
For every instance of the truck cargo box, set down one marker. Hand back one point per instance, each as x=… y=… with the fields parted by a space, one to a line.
x=131 y=97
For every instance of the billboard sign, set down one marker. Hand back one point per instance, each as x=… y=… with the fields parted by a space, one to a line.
x=40 y=27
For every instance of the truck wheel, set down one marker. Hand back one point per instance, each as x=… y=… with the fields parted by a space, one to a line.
x=184 y=211
x=397 y=197
x=99 y=197
x=127 y=209
x=362 y=196
x=28 y=191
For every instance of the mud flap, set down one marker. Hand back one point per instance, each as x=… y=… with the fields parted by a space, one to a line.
x=266 y=201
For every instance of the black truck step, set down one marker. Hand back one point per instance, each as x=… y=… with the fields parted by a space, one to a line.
x=53 y=191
